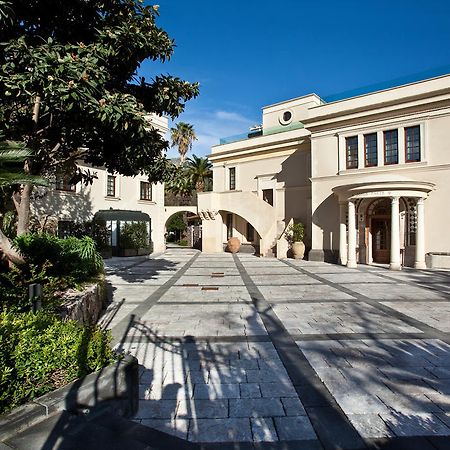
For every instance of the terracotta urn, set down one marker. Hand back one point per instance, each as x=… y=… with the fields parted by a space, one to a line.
x=298 y=250
x=233 y=245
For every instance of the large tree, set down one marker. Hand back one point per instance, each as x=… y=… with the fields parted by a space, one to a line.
x=69 y=88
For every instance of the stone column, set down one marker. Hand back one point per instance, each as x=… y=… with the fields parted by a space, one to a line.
x=342 y=233
x=419 y=262
x=351 y=260
x=395 y=234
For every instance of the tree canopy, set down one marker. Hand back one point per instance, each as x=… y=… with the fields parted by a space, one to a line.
x=183 y=136
x=70 y=91
x=199 y=170
x=69 y=85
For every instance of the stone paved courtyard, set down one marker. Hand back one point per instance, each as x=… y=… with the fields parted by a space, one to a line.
x=253 y=350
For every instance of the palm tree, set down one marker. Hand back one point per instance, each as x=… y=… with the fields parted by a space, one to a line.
x=182 y=136
x=12 y=156
x=199 y=171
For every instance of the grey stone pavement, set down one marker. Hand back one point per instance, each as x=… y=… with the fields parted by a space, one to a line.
x=254 y=351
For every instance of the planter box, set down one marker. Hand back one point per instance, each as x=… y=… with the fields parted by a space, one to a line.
x=437 y=260
x=134 y=252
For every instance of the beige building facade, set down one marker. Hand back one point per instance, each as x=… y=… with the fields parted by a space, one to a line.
x=368 y=176
x=116 y=198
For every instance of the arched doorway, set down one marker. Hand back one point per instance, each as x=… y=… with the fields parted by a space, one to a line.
x=183 y=228
x=235 y=225
x=379 y=223
x=378 y=228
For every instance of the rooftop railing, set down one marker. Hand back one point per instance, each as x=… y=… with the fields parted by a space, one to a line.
x=262 y=132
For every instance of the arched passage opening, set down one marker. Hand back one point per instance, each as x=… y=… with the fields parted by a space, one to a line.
x=234 y=225
x=183 y=228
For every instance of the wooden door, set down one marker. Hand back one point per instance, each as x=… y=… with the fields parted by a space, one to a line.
x=381 y=239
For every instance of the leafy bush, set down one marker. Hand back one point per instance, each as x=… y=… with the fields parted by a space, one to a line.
x=134 y=235
x=183 y=242
x=57 y=264
x=98 y=230
x=73 y=257
x=15 y=282
x=39 y=353
x=296 y=232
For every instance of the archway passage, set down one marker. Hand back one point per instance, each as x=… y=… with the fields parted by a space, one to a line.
x=183 y=228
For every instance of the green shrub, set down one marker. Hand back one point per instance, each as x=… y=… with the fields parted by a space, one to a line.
x=39 y=353
x=73 y=257
x=57 y=264
x=183 y=242
x=14 y=285
x=296 y=232
x=134 y=235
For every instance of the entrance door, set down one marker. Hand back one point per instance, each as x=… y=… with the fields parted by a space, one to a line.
x=381 y=240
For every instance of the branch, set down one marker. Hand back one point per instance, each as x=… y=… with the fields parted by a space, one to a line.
x=9 y=251
x=37 y=105
x=16 y=200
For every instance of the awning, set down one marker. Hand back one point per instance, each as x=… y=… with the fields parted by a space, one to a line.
x=122 y=215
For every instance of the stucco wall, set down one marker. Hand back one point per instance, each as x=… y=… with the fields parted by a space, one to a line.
x=434 y=168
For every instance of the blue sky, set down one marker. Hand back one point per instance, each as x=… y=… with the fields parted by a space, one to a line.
x=247 y=54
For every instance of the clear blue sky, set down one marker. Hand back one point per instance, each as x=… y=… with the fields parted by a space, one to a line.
x=250 y=53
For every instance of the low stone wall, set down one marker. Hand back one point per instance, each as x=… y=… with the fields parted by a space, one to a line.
x=84 y=306
x=115 y=387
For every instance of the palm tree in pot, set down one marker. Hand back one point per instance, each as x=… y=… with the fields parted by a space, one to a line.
x=296 y=235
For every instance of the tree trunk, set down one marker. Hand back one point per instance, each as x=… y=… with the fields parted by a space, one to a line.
x=9 y=251
x=23 y=213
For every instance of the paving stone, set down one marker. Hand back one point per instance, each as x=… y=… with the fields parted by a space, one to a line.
x=445 y=417
x=440 y=372
x=215 y=391
x=294 y=428
x=220 y=430
x=408 y=404
x=277 y=390
x=263 y=429
x=424 y=424
x=266 y=376
x=442 y=401
x=293 y=406
x=361 y=404
x=177 y=427
x=256 y=407
x=370 y=426
x=157 y=409
x=404 y=381
x=189 y=409
x=250 y=390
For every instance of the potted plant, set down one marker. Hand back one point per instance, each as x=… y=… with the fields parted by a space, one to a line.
x=296 y=234
x=133 y=239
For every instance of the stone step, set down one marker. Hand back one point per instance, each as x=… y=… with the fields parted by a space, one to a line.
x=105 y=430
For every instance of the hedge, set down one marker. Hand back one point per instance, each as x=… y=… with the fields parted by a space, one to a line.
x=40 y=352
